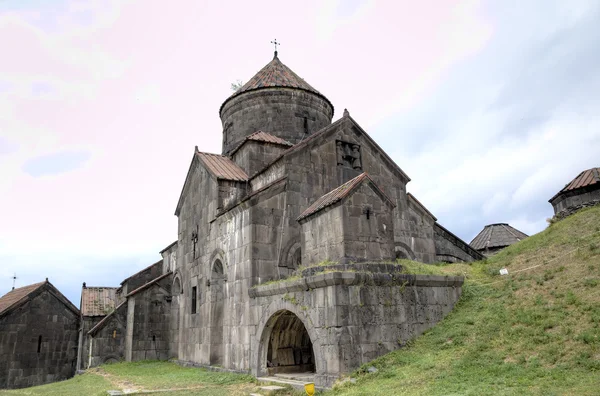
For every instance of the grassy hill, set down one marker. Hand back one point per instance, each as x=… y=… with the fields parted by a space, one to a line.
x=535 y=331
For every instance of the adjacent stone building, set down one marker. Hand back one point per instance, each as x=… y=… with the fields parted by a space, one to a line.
x=285 y=258
x=581 y=192
x=38 y=336
x=96 y=303
x=495 y=237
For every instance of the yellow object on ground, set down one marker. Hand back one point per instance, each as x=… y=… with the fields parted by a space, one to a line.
x=310 y=389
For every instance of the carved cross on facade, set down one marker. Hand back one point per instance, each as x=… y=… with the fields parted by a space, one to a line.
x=194 y=241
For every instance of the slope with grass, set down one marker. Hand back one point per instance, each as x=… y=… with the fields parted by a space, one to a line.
x=535 y=331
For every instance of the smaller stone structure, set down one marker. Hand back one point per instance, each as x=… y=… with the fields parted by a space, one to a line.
x=96 y=303
x=581 y=192
x=495 y=237
x=38 y=336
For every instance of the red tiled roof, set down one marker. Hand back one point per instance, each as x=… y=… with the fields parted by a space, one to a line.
x=15 y=296
x=222 y=167
x=338 y=194
x=275 y=74
x=497 y=235
x=98 y=301
x=584 y=179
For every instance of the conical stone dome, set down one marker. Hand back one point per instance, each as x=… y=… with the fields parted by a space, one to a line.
x=276 y=100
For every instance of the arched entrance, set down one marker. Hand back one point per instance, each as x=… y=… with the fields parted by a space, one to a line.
x=289 y=348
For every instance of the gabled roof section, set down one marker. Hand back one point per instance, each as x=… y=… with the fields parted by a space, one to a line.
x=147 y=285
x=169 y=247
x=98 y=301
x=222 y=167
x=590 y=177
x=497 y=235
x=16 y=296
x=104 y=320
x=342 y=192
x=140 y=271
x=330 y=129
x=275 y=75
x=219 y=166
x=263 y=137
x=21 y=295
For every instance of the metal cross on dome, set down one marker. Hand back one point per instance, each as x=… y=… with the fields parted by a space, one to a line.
x=276 y=44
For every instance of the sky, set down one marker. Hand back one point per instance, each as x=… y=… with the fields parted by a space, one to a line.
x=490 y=107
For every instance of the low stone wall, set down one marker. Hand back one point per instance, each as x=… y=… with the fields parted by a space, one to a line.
x=575 y=208
x=352 y=317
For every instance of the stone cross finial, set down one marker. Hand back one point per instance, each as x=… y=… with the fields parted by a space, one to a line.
x=276 y=44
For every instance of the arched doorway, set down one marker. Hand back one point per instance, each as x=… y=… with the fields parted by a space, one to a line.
x=217 y=308
x=289 y=348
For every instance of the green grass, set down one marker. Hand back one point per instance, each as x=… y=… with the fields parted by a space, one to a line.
x=147 y=376
x=535 y=331
x=86 y=384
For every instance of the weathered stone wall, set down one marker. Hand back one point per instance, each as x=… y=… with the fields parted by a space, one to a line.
x=253 y=156
x=38 y=342
x=150 y=338
x=352 y=317
x=108 y=343
x=450 y=248
x=225 y=239
x=345 y=233
x=570 y=202
x=368 y=226
x=323 y=236
x=313 y=172
x=288 y=113
x=141 y=278
x=87 y=323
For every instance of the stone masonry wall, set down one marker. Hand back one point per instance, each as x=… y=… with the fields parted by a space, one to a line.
x=278 y=111
x=353 y=317
x=254 y=156
x=568 y=204
x=38 y=342
x=451 y=249
x=108 y=344
x=151 y=323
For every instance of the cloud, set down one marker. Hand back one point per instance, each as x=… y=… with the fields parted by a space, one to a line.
x=55 y=163
x=510 y=125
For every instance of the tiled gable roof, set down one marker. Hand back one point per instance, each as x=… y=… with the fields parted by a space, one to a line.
x=497 y=235
x=263 y=137
x=586 y=178
x=340 y=193
x=15 y=296
x=98 y=301
x=275 y=74
x=222 y=167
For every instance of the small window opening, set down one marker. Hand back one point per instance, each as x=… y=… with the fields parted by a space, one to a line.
x=194 y=299
x=153 y=337
x=114 y=334
x=39 y=344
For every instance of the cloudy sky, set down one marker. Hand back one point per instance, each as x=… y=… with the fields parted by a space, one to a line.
x=490 y=107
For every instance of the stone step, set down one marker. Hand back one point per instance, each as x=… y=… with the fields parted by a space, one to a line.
x=276 y=380
x=268 y=389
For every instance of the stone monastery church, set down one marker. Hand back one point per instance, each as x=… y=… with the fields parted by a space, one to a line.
x=286 y=254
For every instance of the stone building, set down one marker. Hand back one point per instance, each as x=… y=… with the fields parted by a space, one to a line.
x=495 y=237
x=96 y=303
x=581 y=192
x=292 y=193
x=38 y=336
